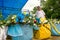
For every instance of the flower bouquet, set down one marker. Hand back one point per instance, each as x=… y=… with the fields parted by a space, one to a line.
x=11 y=19
x=30 y=19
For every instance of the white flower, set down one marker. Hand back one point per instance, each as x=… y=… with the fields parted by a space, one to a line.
x=33 y=18
x=35 y=25
x=29 y=21
x=45 y=0
x=3 y=26
x=30 y=17
x=8 y=21
x=23 y=20
x=34 y=15
x=14 y=16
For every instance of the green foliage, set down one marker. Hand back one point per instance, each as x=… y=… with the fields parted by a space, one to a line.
x=1 y=20
x=29 y=19
x=10 y=19
x=34 y=10
x=1 y=14
x=52 y=8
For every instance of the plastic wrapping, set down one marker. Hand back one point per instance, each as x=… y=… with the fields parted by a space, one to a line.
x=11 y=6
x=27 y=32
x=43 y=32
x=54 y=32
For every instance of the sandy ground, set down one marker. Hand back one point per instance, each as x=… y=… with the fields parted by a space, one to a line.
x=51 y=38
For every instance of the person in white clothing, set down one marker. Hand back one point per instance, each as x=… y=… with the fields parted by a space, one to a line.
x=40 y=15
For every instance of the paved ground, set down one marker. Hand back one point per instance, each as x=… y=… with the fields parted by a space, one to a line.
x=51 y=38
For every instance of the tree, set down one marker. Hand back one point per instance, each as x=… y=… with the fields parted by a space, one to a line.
x=34 y=10
x=51 y=8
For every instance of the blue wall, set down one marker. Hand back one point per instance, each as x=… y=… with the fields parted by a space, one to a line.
x=11 y=6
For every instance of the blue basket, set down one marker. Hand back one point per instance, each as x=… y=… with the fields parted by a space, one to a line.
x=27 y=33
x=17 y=38
x=53 y=30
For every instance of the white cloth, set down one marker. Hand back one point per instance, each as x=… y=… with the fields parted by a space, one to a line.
x=3 y=32
x=40 y=14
